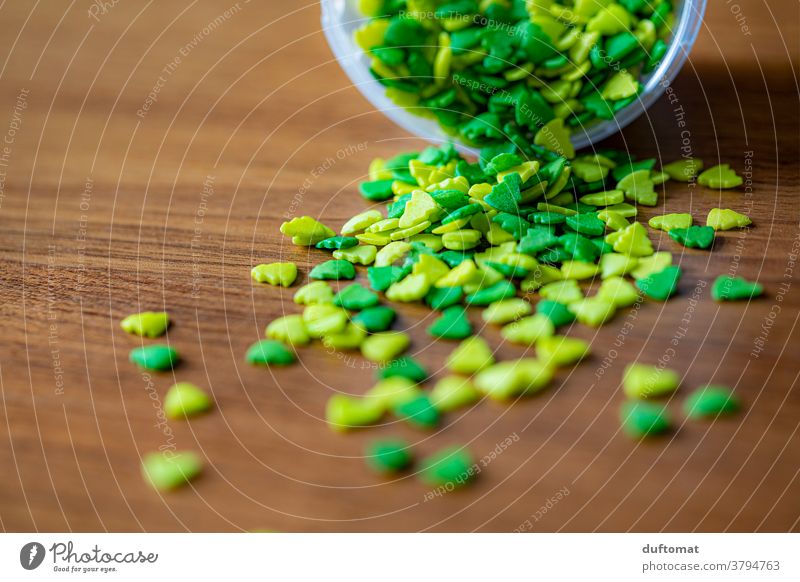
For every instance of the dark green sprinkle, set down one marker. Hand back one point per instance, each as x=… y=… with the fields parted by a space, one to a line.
x=554 y=256
x=726 y=288
x=549 y=218
x=536 y=240
x=388 y=456
x=497 y=292
x=696 y=237
x=355 y=297
x=381 y=278
x=269 y=353
x=662 y=285
x=509 y=271
x=451 y=324
x=463 y=212
x=505 y=196
x=440 y=298
x=656 y=54
x=375 y=319
x=558 y=313
x=397 y=209
x=406 y=367
x=377 y=191
x=512 y=223
x=641 y=419
x=338 y=242
x=623 y=170
x=580 y=207
x=503 y=162
x=449 y=467
x=454 y=258
x=155 y=357
x=587 y=224
x=579 y=247
x=710 y=401
x=418 y=412
x=450 y=199
x=334 y=269
x=602 y=245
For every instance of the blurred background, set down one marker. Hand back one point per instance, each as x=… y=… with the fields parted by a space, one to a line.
x=150 y=152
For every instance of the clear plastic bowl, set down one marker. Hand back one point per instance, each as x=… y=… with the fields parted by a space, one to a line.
x=341 y=17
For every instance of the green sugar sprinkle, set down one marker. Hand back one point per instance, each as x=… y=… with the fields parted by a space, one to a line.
x=156 y=357
x=450 y=467
x=184 y=400
x=531 y=72
x=404 y=367
x=643 y=419
x=710 y=401
x=388 y=455
x=170 y=470
x=269 y=353
x=146 y=324
x=727 y=288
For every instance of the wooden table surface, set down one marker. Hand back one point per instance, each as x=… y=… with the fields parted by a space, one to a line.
x=150 y=152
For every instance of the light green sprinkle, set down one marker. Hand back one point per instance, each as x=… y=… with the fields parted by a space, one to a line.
x=391 y=253
x=472 y=355
x=593 y=311
x=683 y=170
x=722 y=177
x=305 y=231
x=289 y=329
x=529 y=329
x=641 y=381
x=350 y=338
x=506 y=310
x=559 y=350
x=618 y=291
x=361 y=222
x=412 y=288
x=393 y=391
x=314 y=293
x=507 y=380
x=324 y=319
x=615 y=264
x=655 y=263
x=282 y=274
x=461 y=240
x=184 y=400
x=360 y=255
x=146 y=324
x=170 y=470
x=667 y=222
x=453 y=392
x=345 y=412
x=726 y=219
x=385 y=346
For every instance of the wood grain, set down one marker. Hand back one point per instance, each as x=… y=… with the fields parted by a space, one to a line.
x=105 y=212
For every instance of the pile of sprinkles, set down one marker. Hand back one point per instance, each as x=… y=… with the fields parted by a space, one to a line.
x=490 y=69
x=518 y=235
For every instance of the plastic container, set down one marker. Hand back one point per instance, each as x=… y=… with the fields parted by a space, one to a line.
x=341 y=17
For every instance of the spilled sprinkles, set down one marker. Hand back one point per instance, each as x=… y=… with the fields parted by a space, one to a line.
x=514 y=236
